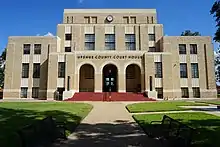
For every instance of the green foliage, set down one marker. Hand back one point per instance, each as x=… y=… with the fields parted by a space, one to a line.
x=189 y=33
x=2 y=69
x=215 y=11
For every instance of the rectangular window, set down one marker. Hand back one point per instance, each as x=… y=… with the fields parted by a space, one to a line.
x=196 y=92
x=25 y=70
x=23 y=93
x=147 y=20
x=109 y=41
x=36 y=70
x=87 y=19
x=94 y=20
x=183 y=70
x=130 y=42
x=35 y=92
x=158 y=69
x=26 y=48
x=126 y=20
x=151 y=37
x=151 y=84
x=67 y=19
x=154 y=49
x=67 y=49
x=37 y=48
x=89 y=41
x=152 y=19
x=133 y=20
x=185 y=92
x=193 y=48
x=195 y=70
x=68 y=37
x=182 y=49
x=159 y=92
x=61 y=69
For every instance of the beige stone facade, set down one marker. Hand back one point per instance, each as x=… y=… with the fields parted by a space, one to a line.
x=122 y=50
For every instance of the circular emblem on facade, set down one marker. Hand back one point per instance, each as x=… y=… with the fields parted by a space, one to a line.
x=109 y=18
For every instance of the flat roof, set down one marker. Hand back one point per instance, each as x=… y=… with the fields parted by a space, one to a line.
x=109 y=10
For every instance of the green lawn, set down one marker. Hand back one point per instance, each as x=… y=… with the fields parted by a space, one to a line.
x=215 y=102
x=161 y=106
x=207 y=126
x=14 y=115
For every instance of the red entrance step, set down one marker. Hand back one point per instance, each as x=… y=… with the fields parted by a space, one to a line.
x=102 y=96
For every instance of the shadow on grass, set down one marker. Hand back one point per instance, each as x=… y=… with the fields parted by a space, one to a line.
x=207 y=131
x=12 y=120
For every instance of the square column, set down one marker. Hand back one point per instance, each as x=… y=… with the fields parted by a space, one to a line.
x=98 y=82
x=121 y=82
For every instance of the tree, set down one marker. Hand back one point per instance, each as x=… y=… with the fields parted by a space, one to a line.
x=189 y=33
x=217 y=65
x=2 y=67
x=215 y=11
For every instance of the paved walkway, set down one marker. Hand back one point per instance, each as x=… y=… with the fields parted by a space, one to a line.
x=109 y=125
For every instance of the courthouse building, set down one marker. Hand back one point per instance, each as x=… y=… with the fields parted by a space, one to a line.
x=118 y=50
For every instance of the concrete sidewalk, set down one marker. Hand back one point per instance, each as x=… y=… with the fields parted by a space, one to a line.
x=109 y=125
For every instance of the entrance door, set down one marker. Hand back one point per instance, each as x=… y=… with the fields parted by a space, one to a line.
x=110 y=78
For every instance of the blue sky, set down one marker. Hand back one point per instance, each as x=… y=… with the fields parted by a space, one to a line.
x=26 y=17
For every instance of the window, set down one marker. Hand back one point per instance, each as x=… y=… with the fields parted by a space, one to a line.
x=89 y=41
x=183 y=70
x=26 y=48
x=151 y=84
x=154 y=49
x=36 y=70
x=193 y=48
x=130 y=42
x=68 y=36
x=67 y=19
x=109 y=41
x=152 y=19
x=147 y=20
x=25 y=70
x=159 y=92
x=182 y=49
x=158 y=69
x=195 y=70
x=133 y=20
x=61 y=70
x=94 y=19
x=67 y=49
x=35 y=92
x=151 y=37
x=196 y=92
x=23 y=93
x=86 y=19
x=37 y=49
x=185 y=92
x=126 y=20
x=71 y=19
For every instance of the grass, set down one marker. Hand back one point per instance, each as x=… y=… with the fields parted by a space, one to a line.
x=14 y=115
x=207 y=125
x=161 y=106
x=215 y=102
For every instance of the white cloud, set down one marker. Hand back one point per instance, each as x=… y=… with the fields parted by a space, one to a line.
x=49 y=34
x=80 y=1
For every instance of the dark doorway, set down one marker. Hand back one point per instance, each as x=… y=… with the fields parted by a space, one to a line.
x=110 y=73
x=60 y=91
